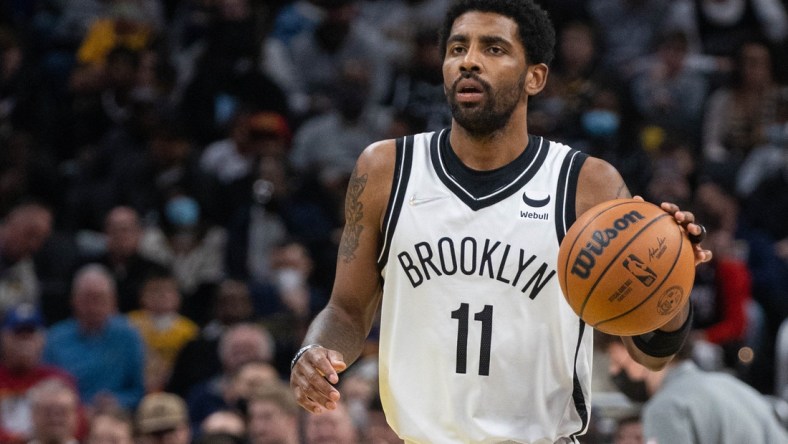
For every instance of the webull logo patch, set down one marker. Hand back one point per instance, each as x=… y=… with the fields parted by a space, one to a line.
x=600 y=239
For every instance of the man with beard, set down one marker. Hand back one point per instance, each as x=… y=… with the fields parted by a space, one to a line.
x=456 y=234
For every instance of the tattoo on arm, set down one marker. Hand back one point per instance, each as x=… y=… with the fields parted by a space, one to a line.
x=354 y=211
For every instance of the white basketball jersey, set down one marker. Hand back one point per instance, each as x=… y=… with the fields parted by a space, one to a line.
x=477 y=343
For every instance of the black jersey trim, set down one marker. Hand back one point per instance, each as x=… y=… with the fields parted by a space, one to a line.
x=533 y=158
x=577 y=392
x=402 y=169
x=565 y=203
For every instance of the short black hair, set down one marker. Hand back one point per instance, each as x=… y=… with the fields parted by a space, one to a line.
x=537 y=33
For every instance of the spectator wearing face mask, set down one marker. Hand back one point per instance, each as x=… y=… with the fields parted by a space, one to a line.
x=608 y=133
x=685 y=404
x=193 y=248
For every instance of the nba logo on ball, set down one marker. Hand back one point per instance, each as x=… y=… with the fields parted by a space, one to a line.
x=626 y=266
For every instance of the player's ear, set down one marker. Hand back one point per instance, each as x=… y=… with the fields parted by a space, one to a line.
x=535 y=78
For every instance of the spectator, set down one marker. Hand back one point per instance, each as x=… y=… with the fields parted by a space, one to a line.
x=163 y=330
x=193 y=248
x=722 y=293
x=629 y=430
x=240 y=344
x=55 y=412
x=123 y=229
x=628 y=30
x=334 y=426
x=111 y=427
x=575 y=78
x=22 y=341
x=687 y=405
x=229 y=423
x=318 y=58
x=668 y=92
x=199 y=358
x=720 y=27
x=103 y=352
x=22 y=233
x=417 y=88
x=273 y=416
x=735 y=113
x=226 y=73
x=163 y=418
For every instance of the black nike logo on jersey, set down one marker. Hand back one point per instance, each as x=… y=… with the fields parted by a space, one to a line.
x=536 y=203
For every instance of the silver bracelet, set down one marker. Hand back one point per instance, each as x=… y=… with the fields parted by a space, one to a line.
x=300 y=353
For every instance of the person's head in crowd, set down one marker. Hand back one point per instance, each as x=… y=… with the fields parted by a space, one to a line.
x=160 y=295
x=243 y=343
x=24 y=231
x=250 y=132
x=233 y=302
x=170 y=144
x=672 y=50
x=629 y=430
x=331 y=427
x=250 y=377
x=602 y=120
x=273 y=416
x=162 y=418
x=577 y=48
x=635 y=381
x=121 y=68
x=753 y=68
x=272 y=130
x=224 y=422
x=93 y=297
x=124 y=230
x=54 y=412
x=23 y=336
x=111 y=427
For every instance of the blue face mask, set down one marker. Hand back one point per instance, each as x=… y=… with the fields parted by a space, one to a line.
x=600 y=122
x=182 y=211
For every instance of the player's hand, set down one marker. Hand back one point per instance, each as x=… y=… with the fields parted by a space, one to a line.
x=695 y=231
x=313 y=378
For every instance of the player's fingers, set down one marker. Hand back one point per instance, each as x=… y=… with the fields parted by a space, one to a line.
x=312 y=389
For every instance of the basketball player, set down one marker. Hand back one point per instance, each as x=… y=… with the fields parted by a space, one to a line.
x=456 y=234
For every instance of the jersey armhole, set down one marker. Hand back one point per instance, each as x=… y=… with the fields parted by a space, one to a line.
x=402 y=168
x=567 y=192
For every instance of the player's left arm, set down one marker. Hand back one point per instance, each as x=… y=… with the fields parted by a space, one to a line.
x=599 y=182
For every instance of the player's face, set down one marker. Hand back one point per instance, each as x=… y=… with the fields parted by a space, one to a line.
x=484 y=71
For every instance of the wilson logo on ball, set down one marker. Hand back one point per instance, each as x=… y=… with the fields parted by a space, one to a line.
x=586 y=258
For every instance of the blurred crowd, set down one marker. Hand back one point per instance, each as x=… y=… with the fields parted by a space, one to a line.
x=172 y=178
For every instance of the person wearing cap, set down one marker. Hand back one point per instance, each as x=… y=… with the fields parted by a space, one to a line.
x=22 y=337
x=162 y=417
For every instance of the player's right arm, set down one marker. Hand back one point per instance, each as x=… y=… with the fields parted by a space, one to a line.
x=337 y=334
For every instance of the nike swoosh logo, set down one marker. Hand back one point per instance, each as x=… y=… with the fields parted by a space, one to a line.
x=418 y=201
x=536 y=203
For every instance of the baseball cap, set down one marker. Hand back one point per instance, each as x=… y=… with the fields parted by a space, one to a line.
x=23 y=316
x=161 y=411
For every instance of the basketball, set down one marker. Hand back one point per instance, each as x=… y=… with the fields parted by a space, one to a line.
x=626 y=267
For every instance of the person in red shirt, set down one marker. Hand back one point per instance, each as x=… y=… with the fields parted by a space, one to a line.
x=22 y=337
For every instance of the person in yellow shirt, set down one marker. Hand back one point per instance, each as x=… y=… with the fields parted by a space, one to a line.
x=163 y=329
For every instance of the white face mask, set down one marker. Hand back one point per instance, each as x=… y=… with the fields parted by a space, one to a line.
x=288 y=279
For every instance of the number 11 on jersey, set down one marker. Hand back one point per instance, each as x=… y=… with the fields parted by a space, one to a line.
x=485 y=317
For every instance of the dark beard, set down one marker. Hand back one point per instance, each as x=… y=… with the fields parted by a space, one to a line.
x=493 y=113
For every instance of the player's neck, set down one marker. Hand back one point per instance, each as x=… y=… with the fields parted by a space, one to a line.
x=490 y=151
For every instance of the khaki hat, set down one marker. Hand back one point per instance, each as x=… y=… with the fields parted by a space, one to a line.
x=161 y=411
